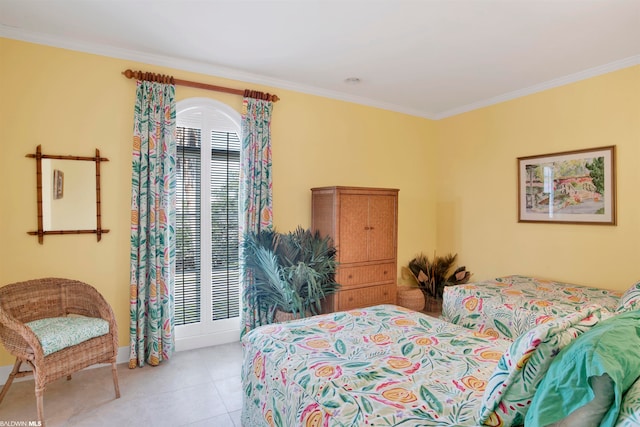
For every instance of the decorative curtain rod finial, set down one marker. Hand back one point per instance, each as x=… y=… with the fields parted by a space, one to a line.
x=161 y=78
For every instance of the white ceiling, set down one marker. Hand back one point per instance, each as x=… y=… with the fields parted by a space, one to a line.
x=430 y=58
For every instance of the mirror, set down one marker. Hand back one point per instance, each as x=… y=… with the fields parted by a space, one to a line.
x=68 y=194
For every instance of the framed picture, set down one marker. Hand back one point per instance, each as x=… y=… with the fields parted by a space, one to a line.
x=58 y=184
x=574 y=187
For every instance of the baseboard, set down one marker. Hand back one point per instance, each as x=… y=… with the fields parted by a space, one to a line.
x=223 y=337
x=122 y=357
x=123 y=352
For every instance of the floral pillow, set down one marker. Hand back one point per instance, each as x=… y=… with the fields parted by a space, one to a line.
x=514 y=382
x=631 y=299
x=630 y=411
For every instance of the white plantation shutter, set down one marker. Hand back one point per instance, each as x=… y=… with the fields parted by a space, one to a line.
x=225 y=182
x=207 y=270
x=188 y=234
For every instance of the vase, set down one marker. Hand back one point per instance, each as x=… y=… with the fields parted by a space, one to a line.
x=433 y=305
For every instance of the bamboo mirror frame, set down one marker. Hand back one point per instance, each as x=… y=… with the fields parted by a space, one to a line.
x=56 y=192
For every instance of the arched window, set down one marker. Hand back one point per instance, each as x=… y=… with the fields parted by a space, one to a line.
x=207 y=285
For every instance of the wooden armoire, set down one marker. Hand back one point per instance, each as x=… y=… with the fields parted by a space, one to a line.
x=363 y=223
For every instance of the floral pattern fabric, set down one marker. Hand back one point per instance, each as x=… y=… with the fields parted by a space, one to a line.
x=256 y=191
x=56 y=333
x=630 y=410
x=379 y=366
x=509 y=306
x=153 y=202
x=511 y=387
x=630 y=300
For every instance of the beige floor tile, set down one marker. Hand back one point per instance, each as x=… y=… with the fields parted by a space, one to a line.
x=231 y=391
x=235 y=417
x=222 y=361
x=223 y=420
x=195 y=388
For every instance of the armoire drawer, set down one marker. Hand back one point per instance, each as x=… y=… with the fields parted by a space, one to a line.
x=367 y=296
x=378 y=273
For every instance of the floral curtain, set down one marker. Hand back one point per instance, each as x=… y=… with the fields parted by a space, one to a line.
x=255 y=185
x=153 y=201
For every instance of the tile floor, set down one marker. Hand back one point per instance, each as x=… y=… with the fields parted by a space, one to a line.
x=195 y=388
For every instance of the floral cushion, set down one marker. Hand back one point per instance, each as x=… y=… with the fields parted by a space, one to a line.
x=56 y=333
x=630 y=410
x=631 y=299
x=513 y=384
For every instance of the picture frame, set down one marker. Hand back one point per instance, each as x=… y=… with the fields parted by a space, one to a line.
x=570 y=187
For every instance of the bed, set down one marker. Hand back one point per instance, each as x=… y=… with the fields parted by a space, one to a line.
x=390 y=366
x=508 y=306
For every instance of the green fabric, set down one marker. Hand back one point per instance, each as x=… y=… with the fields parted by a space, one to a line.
x=153 y=225
x=56 y=333
x=612 y=347
x=514 y=382
x=256 y=189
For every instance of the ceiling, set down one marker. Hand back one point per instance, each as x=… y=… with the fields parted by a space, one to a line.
x=429 y=58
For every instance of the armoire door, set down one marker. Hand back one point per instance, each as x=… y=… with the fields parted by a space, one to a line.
x=354 y=212
x=382 y=228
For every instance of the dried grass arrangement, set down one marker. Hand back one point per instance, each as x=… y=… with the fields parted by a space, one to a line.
x=431 y=276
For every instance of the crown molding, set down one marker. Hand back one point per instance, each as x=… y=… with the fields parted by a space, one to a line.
x=194 y=66
x=561 y=81
x=245 y=77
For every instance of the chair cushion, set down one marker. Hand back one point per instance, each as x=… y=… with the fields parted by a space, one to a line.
x=56 y=333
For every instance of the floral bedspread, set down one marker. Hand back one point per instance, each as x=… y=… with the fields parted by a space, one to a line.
x=508 y=306
x=379 y=366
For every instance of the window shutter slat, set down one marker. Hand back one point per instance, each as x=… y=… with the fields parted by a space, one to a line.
x=224 y=181
x=225 y=274
x=187 y=291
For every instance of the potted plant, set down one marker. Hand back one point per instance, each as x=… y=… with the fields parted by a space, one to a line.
x=288 y=272
x=431 y=276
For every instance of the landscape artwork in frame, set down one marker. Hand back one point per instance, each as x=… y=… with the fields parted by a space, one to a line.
x=576 y=187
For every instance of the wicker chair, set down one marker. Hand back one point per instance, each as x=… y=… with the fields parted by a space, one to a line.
x=24 y=302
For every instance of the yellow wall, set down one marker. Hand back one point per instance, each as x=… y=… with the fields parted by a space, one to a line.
x=72 y=103
x=457 y=177
x=477 y=183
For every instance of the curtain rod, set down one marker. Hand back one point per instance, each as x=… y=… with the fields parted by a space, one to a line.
x=161 y=78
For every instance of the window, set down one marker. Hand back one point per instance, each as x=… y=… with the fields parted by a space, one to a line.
x=207 y=282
